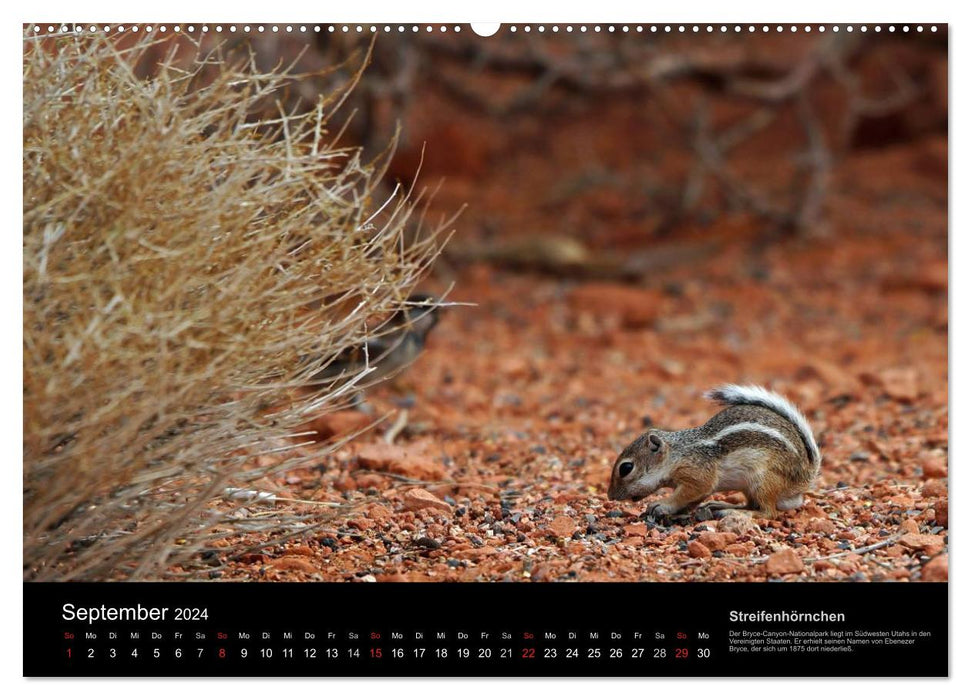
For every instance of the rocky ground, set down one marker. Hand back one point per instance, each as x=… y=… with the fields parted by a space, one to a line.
x=520 y=404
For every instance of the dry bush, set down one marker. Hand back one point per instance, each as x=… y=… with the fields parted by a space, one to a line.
x=181 y=260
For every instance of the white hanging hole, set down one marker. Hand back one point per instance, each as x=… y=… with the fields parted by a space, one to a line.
x=485 y=28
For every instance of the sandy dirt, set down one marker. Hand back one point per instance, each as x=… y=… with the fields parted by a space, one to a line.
x=521 y=404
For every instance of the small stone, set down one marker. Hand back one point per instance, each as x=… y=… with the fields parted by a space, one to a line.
x=929 y=544
x=785 y=561
x=417 y=499
x=935 y=569
x=563 y=526
x=737 y=523
x=293 y=564
x=474 y=553
x=717 y=541
x=698 y=550
x=940 y=512
x=935 y=488
x=824 y=525
x=627 y=306
x=427 y=543
x=934 y=468
x=900 y=383
x=909 y=525
x=638 y=529
x=336 y=424
x=380 y=513
x=379 y=456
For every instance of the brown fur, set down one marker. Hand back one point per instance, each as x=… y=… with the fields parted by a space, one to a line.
x=747 y=448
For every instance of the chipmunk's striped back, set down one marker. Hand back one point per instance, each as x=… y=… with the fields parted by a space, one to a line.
x=736 y=395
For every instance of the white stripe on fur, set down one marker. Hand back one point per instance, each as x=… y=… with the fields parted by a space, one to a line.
x=757 y=428
x=733 y=394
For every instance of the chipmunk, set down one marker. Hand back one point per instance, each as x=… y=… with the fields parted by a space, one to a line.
x=759 y=444
x=398 y=344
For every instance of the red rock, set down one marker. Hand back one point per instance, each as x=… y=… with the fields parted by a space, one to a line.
x=632 y=307
x=902 y=500
x=400 y=460
x=371 y=481
x=393 y=578
x=940 y=512
x=336 y=424
x=380 y=513
x=698 y=550
x=637 y=529
x=824 y=525
x=934 y=467
x=910 y=525
x=737 y=523
x=935 y=569
x=563 y=526
x=899 y=383
x=785 y=561
x=301 y=550
x=417 y=499
x=474 y=553
x=830 y=374
x=823 y=565
x=740 y=549
x=934 y=489
x=716 y=541
x=811 y=510
x=930 y=544
x=295 y=563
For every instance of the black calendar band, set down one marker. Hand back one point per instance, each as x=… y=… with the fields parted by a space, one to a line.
x=488 y=629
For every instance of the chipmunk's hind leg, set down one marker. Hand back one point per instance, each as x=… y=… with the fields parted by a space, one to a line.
x=763 y=497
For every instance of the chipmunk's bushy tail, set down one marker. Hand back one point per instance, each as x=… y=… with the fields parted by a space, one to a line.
x=735 y=395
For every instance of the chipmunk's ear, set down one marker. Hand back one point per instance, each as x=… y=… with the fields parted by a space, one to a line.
x=655 y=442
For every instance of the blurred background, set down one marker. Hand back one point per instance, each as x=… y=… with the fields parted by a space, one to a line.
x=668 y=210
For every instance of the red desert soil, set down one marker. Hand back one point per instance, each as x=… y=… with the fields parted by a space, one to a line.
x=521 y=404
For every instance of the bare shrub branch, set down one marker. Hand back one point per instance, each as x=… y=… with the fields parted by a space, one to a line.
x=180 y=257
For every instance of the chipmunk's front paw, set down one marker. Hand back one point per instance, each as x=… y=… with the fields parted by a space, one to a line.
x=660 y=510
x=705 y=512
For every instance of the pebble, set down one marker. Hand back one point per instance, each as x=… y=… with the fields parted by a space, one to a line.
x=418 y=499
x=935 y=569
x=562 y=526
x=699 y=551
x=929 y=544
x=785 y=561
x=380 y=456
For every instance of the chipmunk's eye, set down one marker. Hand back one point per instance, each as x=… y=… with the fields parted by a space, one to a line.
x=625 y=468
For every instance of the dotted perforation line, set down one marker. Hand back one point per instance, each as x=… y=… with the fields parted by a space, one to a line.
x=52 y=29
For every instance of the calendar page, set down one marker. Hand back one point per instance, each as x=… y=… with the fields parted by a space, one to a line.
x=499 y=350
